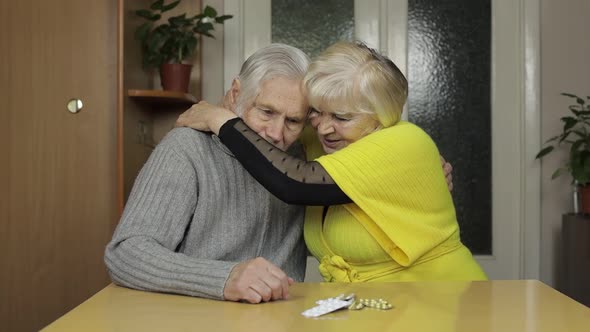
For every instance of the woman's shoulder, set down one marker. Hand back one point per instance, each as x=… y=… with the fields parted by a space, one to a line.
x=405 y=128
x=402 y=136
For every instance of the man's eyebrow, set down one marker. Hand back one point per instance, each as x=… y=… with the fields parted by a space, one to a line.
x=270 y=106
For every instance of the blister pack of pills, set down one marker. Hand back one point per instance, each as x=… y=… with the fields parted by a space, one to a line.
x=329 y=305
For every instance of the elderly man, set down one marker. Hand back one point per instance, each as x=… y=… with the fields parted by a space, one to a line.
x=196 y=223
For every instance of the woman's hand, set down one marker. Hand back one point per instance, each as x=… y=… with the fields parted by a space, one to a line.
x=205 y=117
x=448 y=170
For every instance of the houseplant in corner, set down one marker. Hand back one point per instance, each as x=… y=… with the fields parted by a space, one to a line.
x=576 y=135
x=165 y=44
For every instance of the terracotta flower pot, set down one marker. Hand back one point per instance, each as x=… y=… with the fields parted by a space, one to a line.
x=585 y=198
x=175 y=76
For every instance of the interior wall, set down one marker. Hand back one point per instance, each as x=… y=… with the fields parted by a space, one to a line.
x=212 y=59
x=146 y=124
x=565 y=49
x=135 y=151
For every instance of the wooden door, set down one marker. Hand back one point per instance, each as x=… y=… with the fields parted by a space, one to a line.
x=58 y=169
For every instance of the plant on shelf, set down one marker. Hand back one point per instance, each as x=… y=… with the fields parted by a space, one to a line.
x=166 y=44
x=576 y=135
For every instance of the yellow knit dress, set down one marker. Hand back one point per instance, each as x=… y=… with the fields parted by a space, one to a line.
x=402 y=225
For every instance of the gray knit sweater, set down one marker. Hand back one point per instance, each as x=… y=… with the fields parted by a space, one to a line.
x=193 y=214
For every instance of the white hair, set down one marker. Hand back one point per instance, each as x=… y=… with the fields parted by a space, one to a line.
x=274 y=60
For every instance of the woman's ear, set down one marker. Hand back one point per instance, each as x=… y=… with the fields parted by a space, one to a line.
x=230 y=101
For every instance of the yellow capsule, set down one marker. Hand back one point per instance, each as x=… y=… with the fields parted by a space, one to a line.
x=358 y=306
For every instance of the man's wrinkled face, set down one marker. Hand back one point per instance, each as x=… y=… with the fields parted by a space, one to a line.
x=279 y=111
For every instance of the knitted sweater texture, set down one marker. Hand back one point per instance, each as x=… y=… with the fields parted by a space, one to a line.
x=193 y=214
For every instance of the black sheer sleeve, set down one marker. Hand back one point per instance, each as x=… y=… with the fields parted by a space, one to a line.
x=292 y=180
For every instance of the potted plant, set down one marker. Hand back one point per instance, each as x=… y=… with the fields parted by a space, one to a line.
x=576 y=135
x=165 y=44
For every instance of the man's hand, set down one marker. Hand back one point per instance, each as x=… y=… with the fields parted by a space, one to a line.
x=448 y=169
x=255 y=281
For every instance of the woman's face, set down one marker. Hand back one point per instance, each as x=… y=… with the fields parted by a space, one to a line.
x=336 y=129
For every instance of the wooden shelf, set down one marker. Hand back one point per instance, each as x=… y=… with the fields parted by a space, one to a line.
x=162 y=97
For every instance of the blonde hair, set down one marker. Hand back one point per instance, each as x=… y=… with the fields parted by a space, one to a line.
x=356 y=79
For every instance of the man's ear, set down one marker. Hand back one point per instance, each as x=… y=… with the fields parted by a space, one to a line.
x=230 y=101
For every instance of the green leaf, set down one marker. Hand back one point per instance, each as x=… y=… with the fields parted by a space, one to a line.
x=586 y=163
x=203 y=27
x=176 y=38
x=578 y=174
x=557 y=173
x=157 y=5
x=163 y=29
x=575 y=146
x=143 y=30
x=179 y=20
x=223 y=18
x=569 y=95
x=578 y=99
x=552 y=138
x=564 y=136
x=210 y=12
x=170 y=6
x=581 y=134
x=147 y=14
x=578 y=162
x=576 y=109
x=197 y=30
x=143 y=13
x=569 y=122
x=190 y=46
x=581 y=168
x=544 y=152
x=154 y=43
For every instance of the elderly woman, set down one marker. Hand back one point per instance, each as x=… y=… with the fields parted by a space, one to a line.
x=388 y=214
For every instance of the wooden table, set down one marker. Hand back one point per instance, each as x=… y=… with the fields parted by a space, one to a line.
x=518 y=305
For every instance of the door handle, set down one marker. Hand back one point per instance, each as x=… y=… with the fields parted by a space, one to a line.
x=74 y=105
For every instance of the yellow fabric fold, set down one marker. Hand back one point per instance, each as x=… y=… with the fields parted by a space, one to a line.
x=395 y=178
x=336 y=269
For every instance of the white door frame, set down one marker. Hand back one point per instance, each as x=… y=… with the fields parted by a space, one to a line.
x=516 y=130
